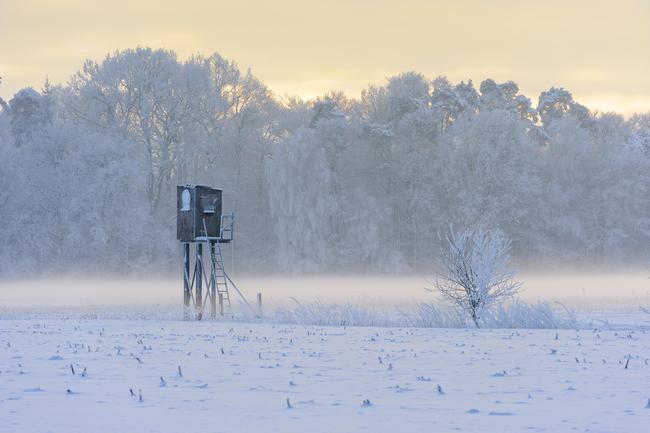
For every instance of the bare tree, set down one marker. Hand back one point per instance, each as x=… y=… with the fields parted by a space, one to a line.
x=474 y=271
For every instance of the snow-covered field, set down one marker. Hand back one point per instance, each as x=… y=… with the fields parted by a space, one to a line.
x=236 y=377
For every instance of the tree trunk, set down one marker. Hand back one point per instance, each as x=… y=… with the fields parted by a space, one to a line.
x=475 y=318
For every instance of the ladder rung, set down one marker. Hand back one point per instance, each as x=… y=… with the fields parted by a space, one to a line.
x=219 y=279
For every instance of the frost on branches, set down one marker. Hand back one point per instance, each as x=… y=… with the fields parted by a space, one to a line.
x=474 y=271
x=334 y=183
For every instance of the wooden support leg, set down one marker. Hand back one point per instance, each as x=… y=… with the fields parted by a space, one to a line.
x=187 y=290
x=199 y=281
x=213 y=283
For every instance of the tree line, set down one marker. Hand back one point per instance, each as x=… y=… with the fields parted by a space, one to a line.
x=372 y=183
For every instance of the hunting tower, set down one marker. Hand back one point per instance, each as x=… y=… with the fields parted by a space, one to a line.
x=199 y=221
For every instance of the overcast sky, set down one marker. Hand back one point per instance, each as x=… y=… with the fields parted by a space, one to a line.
x=599 y=50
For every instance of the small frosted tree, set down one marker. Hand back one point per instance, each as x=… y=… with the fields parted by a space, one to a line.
x=474 y=272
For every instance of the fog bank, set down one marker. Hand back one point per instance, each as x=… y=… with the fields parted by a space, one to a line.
x=576 y=290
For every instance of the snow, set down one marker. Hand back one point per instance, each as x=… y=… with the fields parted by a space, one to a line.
x=239 y=377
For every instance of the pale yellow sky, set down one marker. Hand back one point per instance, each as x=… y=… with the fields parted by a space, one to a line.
x=599 y=50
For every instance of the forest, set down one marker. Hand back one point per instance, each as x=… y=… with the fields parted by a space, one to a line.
x=372 y=184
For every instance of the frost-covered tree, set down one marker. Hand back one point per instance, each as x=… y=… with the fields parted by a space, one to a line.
x=593 y=209
x=335 y=220
x=29 y=111
x=198 y=121
x=370 y=180
x=406 y=93
x=12 y=177
x=557 y=103
x=87 y=185
x=484 y=174
x=303 y=205
x=639 y=135
x=474 y=273
x=453 y=101
x=139 y=93
x=506 y=97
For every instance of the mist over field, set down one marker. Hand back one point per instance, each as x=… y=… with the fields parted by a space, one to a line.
x=623 y=290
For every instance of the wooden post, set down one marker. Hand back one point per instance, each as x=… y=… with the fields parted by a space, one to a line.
x=213 y=283
x=199 y=280
x=259 y=304
x=221 y=304
x=187 y=294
